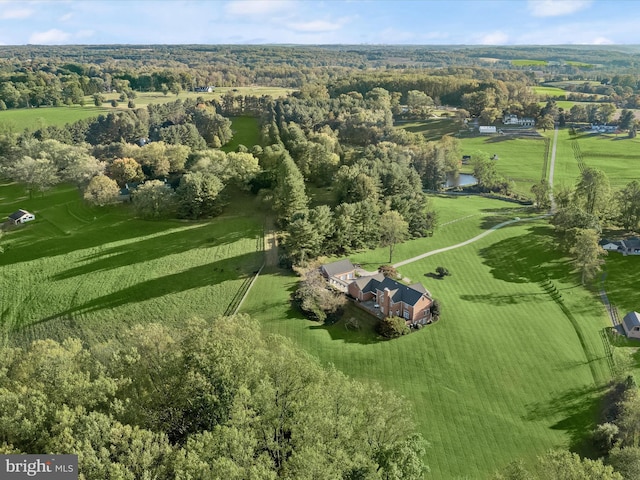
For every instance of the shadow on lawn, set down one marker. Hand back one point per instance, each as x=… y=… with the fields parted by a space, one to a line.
x=210 y=274
x=574 y=411
x=526 y=258
x=498 y=300
x=151 y=249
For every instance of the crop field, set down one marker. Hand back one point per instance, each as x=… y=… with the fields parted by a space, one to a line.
x=553 y=92
x=618 y=156
x=88 y=272
x=34 y=118
x=519 y=159
x=505 y=374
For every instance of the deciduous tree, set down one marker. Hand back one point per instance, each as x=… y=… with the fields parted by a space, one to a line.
x=393 y=230
x=101 y=191
x=587 y=253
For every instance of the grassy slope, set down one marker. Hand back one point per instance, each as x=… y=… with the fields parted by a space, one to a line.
x=87 y=271
x=545 y=92
x=433 y=128
x=503 y=375
x=246 y=131
x=519 y=159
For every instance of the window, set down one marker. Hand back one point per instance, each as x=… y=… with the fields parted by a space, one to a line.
x=406 y=314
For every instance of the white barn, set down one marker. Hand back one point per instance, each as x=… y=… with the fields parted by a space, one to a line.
x=21 y=216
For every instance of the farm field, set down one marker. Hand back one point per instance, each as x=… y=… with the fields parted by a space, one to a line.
x=519 y=159
x=504 y=374
x=88 y=272
x=553 y=92
x=35 y=118
x=617 y=156
x=524 y=62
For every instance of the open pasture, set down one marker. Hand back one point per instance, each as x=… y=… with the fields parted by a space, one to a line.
x=519 y=159
x=88 y=272
x=525 y=62
x=433 y=128
x=553 y=92
x=504 y=374
x=34 y=118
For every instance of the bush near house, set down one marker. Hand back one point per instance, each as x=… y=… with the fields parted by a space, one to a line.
x=316 y=300
x=393 y=327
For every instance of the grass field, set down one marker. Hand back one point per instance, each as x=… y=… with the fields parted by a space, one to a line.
x=246 y=131
x=35 y=118
x=553 y=92
x=617 y=156
x=88 y=272
x=505 y=373
x=523 y=62
x=432 y=129
x=519 y=159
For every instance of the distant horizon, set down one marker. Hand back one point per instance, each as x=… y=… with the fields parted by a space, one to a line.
x=313 y=22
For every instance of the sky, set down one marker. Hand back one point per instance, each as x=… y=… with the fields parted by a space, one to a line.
x=418 y=22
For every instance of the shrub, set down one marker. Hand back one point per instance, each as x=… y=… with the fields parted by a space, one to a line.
x=114 y=103
x=393 y=327
x=316 y=301
x=388 y=271
x=442 y=272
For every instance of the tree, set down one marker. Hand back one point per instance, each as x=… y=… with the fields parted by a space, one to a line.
x=564 y=465
x=98 y=99
x=393 y=327
x=317 y=301
x=303 y=242
x=154 y=199
x=289 y=195
x=541 y=193
x=629 y=206
x=626 y=119
x=101 y=191
x=593 y=192
x=393 y=230
x=388 y=271
x=197 y=195
x=587 y=253
x=546 y=122
x=625 y=461
x=125 y=170
x=38 y=174
x=442 y=272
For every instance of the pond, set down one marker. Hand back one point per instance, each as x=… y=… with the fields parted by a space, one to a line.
x=461 y=180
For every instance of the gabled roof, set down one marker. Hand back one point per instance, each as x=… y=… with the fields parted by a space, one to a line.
x=630 y=320
x=631 y=243
x=18 y=214
x=369 y=284
x=336 y=268
x=606 y=241
x=402 y=293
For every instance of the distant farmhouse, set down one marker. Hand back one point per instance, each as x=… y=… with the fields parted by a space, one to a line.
x=515 y=120
x=379 y=294
x=630 y=246
x=487 y=129
x=207 y=89
x=631 y=324
x=21 y=216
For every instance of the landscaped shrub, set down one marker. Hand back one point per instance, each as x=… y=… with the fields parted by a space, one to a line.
x=442 y=272
x=316 y=301
x=393 y=327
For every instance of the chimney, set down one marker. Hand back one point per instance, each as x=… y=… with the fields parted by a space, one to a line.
x=387 y=301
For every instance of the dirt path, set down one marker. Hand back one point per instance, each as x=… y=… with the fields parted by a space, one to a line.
x=467 y=242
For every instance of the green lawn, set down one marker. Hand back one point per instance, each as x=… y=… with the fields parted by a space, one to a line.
x=519 y=159
x=433 y=128
x=618 y=156
x=88 y=272
x=553 y=92
x=504 y=374
x=246 y=131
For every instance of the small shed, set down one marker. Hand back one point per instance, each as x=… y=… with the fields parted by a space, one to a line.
x=610 y=245
x=21 y=216
x=631 y=324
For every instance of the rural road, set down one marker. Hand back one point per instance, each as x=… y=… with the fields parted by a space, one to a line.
x=552 y=168
x=467 y=242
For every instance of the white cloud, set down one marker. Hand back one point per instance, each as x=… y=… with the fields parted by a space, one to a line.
x=257 y=7
x=15 y=13
x=66 y=17
x=317 y=26
x=601 y=41
x=50 y=37
x=556 y=8
x=494 y=38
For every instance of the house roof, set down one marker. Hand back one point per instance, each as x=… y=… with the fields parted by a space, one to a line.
x=630 y=320
x=336 y=268
x=631 y=243
x=18 y=214
x=402 y=293
x=369 y=284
